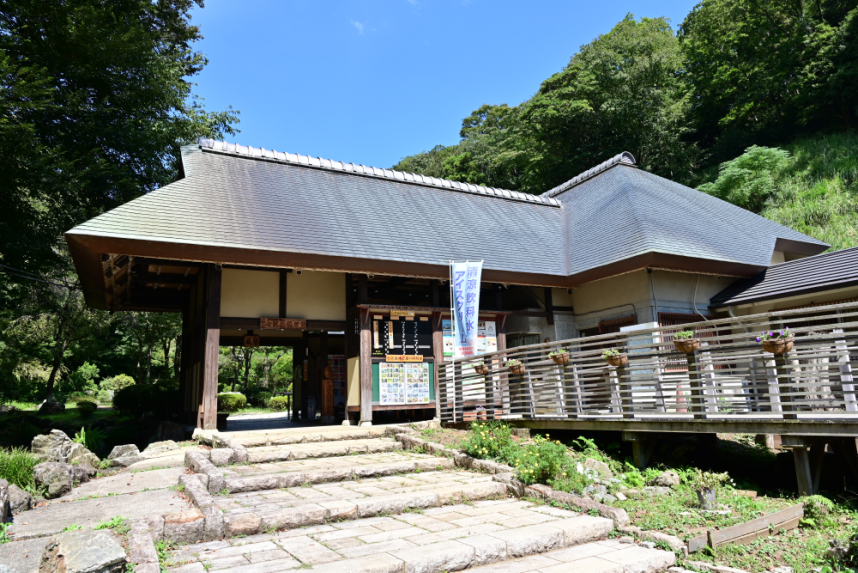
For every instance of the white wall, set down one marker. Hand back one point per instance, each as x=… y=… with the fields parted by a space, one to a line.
x=316 y=295
x=250 y=294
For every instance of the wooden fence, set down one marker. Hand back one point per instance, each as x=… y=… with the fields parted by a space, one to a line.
x=729 y=377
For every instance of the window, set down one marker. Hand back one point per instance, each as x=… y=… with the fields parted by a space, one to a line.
x=608 y=326
x=521 y=339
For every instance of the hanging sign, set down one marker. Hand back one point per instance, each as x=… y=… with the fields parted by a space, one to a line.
x=403 y=358
x=282 y=324
x=465 y=302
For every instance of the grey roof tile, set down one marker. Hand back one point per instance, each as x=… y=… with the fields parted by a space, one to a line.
x=827 y=271
x=244 y=197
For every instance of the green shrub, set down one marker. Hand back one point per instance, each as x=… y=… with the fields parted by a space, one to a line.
x=92 y=439
x=104 y=397
x=489 y=440
x=279 y=403
x=87 y=407
x=76 y=397
x=117 y=382
x=16 y=466
x=145 y=400
x=230 y=402
x=260 y=399
x=538 y=462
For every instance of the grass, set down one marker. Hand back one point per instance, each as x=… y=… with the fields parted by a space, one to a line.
x=118 y=524
x=16 y=466
x=162 y=548
x=4 y=537
x=72 y=527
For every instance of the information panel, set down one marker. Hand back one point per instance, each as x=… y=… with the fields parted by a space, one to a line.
x=487 y=337
x=401 y=335
x=403 y=383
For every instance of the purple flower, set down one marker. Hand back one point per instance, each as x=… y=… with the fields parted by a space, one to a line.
x=759 y=339
x=771 y=334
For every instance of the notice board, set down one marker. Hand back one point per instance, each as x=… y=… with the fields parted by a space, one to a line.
x=401 y=335
x=395 y=383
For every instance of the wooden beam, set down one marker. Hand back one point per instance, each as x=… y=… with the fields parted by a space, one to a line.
x=438 y=355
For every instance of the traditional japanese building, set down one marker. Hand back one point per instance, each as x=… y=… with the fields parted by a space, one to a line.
x=349 y=265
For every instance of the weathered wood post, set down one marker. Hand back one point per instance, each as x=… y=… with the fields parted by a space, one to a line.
x=783 y=377
x=697 y=406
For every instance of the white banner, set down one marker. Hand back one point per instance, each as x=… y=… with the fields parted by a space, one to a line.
x=465 y=306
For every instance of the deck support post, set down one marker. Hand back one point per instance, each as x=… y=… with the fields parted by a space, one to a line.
x=782 y=367
x=696 y=386
x=808 y=464
x=643 y=444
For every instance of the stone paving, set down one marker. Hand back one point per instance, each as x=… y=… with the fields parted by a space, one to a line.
x=483 y=532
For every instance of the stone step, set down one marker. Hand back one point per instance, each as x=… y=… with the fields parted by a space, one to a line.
x=509 y=533
x=303 y=451
x=273 y=513
x=343 y=470
x=352 y=489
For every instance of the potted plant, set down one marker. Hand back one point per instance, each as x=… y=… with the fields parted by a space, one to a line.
x=515 y=367
x=614 y=357
x=704 y=483
x=685 y=342
x=482 y=414
x=560 y=357
x=776 y=341
x=481 y=368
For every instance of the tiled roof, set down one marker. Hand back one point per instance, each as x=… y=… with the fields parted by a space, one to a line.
x=625 y=211
x=248 y=198
x=827 y=271
x=229 y=200
x=624 y=158
x=402 y=176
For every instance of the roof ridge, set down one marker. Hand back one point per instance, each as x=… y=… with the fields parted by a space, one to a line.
x=624 y=158
x=401 y=176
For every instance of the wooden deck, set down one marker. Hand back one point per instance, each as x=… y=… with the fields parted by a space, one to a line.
x=728 y=385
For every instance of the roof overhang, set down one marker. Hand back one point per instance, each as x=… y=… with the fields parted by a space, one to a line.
x=87 y=250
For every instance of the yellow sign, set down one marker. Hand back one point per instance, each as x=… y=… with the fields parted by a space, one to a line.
x=404 y=358
x=398 y=313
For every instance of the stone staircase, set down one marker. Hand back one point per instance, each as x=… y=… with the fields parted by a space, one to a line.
x=355 y=501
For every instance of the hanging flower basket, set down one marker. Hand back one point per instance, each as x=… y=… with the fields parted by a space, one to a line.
x=516 y=368
x=617 y=359
x=614 y=357
x=776 y=341
x=481 y=369
x=561 y=357
x=688 y=345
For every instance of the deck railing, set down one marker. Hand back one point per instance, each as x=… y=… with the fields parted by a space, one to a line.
x=730 y=376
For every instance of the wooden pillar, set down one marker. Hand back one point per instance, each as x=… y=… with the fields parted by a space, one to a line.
x=297 y=377
x=437 y=351
x=549 y=306
x=365 y=367
x=696 y=386
x=207 y=417
x=327 y=417
x=284 y=274
x=306 y=376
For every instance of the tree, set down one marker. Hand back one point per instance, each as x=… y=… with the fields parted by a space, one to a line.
x=58 y=317
x=147 y=332
x=96 y=101
x=762 y=71
x=621 y=92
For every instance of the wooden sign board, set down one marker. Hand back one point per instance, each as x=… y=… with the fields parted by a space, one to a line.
x=397 y=313
x=282 y=324
x=251 y=341
x=403 y=358
x=328 y=398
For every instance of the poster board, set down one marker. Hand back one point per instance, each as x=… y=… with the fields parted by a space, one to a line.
x=487 y=337
x=401 y=334
x=403 y=383
x=338 y=365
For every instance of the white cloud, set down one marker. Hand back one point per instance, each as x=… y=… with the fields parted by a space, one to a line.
x=358 y=26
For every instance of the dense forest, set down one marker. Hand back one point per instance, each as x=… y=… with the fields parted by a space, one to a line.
x=754 y=101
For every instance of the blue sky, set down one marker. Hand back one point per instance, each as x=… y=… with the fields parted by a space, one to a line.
x=371 y=82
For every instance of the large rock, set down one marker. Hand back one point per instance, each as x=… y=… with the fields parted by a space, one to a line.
x=52 y=408
x=124 y=456
x=53 y=447
x=19 y=499
x=600 y=468
x=55 y=478
x=5 y=508
x=122 y=451
x=83 y=552
x=78 y=454
x=159 y=447
x=666 y=479
x=82 y=473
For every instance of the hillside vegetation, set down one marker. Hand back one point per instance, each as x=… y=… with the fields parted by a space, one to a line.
x=810 y=185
